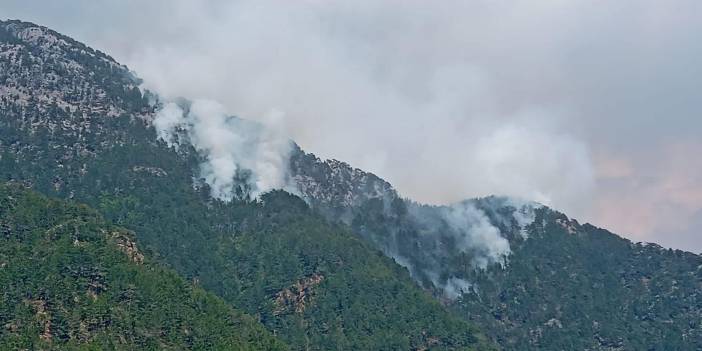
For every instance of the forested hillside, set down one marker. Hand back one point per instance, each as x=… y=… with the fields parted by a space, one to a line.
x=573 y=286
x=315 y=285
x=72 y=281
x=560 y=286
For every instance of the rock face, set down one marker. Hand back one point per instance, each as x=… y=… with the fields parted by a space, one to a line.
x=44 y=73
x=335 y=187
x=297 y=296
x=66 y=98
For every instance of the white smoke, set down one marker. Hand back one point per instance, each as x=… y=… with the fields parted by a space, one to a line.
x=480 y=230
x=456 y=287
x=168 y=118
x=242 y=158
x=406 y=91
x=475 y=233
x=534 y=161
x=524 y=213
x=451 y=243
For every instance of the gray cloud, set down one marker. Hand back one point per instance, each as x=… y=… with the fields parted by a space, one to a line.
x=541 y=100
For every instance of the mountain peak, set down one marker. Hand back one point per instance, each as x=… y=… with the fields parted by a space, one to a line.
x=43 y=38
x=42 y=70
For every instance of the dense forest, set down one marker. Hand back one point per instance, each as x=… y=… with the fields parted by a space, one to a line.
x=314 y=284
x=72 y=281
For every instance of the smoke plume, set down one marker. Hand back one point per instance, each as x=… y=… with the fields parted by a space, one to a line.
x=424 y=93
x=473 y=231
x=442 y=246
x=242 y=159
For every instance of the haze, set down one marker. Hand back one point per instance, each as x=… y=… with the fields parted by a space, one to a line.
x=591 y=107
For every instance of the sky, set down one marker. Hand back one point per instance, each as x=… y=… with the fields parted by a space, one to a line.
x=591 y=107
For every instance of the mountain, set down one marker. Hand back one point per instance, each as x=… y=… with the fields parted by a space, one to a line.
x=74 y=125
x=341 y=260
x=73 y=281
x=533 y=278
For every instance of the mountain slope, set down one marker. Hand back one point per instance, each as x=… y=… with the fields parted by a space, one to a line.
x=315 y=285
x=72 y=281
x=555 y=285
x=532 y=277
x=572 y=286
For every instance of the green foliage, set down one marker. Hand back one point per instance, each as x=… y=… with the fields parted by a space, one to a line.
x=362 y=301
x=72 y=281
x=315 y=285
x=251 y=252
x=578 y=287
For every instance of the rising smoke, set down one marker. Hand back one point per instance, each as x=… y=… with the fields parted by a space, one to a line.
x=442 y=246
x=472 y=230
x=242 y=159
x=407 y=91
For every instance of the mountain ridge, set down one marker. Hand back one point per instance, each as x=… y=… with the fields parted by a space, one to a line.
x=314 y=284
x=488 y=295
x=486 y=260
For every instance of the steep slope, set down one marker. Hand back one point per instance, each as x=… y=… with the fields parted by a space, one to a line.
x=315 y=285
x=436 y=243
x=531 y=276
x=572 y=286
x=72 y=281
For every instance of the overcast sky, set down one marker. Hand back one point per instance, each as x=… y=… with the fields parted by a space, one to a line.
x=592 y=107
